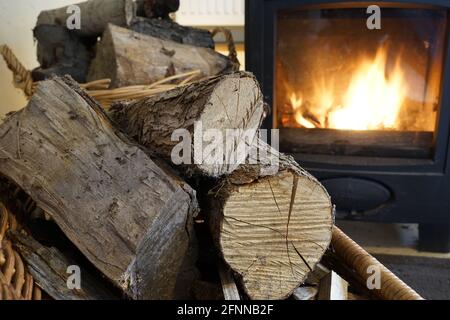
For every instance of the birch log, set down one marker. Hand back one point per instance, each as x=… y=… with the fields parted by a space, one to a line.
x=128 y=216
x=272 y=222
x=94 y=15
x=217 y=104
x=131 y=58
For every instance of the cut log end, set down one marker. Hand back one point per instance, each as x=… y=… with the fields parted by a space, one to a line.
x=235 y=109
x=231 y=101
x=274 y=231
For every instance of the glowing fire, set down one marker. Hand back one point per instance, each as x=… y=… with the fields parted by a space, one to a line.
x=371 y=101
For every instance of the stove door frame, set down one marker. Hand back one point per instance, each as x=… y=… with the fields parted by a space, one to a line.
x=420 y=187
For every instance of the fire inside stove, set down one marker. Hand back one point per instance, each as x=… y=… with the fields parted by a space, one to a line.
x=333 y=72
x=372 y=100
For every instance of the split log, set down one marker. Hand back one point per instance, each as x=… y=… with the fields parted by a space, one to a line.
x=272 y=222
x=131 y=58
x=229 y=288
x=318 y=273
x=60 y=52
x=130 y=217
x=94 y=15
x=170 y=30
x=232 y=101
x=333 y=287
x=49 y=268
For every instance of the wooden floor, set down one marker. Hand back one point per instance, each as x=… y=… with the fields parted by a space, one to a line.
x=395 y=246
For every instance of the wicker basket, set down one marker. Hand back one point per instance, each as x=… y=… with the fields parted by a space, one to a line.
x=15 y=281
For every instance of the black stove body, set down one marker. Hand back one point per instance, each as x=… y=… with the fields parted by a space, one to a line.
x=394 y=176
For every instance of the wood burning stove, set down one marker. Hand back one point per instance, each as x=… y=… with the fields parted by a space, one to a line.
x=367 y=111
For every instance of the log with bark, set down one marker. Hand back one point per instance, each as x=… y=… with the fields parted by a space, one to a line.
x=49 y=266
x=129 y=216
x=61 y=52
x=272 y=222
x=94 y=15
x=170 y=30
x=232 y=101
x=130 y=58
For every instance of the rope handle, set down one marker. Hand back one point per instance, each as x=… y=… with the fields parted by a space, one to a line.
x=99 y=89
x=22 y=77
x=232 y=53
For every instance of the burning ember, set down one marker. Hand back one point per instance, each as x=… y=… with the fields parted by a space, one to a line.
x=372 y=100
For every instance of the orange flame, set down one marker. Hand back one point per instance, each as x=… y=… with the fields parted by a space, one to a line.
x=296 y=103
x=371 y=101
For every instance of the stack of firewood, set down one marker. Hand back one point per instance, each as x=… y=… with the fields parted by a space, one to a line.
x=172 y=196
x=131 y=43
x=109 y=186
x=160 y=198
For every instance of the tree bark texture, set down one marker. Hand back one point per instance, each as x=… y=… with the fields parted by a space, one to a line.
x=130 y=217
x=170 y=30
x=94 y=15
x=221 y=103
x=131 y=58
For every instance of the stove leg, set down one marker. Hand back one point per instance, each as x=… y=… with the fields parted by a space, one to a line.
x=434 y=237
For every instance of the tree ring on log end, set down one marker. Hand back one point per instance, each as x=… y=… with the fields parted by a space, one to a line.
x=274 y=231
x=236 y=111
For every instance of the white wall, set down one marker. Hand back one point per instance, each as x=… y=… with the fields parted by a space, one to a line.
x=211 y=12
x=17 y=19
